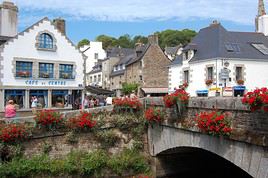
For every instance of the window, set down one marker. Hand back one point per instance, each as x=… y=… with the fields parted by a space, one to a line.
x=210 y=73
x=45 y=41
x=99 y=78
x=90 y=79
x=96 y=56
x=59 y=98
x=24 y=69
x=186 y=76
x=121 y=66
x=232 y=47
x=261 y=47
x=238 y=73
x=140 y=77
x=18 y=96
x=66 y=71
x=42 y=97
x=95 y=78
x=116 y=68
x=46 y=70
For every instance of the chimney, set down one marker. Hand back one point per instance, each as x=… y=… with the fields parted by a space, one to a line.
x=153 y=39
x=60 y=25
x=215 y=22
x=8 y=19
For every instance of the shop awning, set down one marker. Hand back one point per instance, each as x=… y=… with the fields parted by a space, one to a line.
x=98 y=91
x=154 y=90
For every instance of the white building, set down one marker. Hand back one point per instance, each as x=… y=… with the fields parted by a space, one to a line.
x=40 y=61
x=94 y=77
x=217 y=59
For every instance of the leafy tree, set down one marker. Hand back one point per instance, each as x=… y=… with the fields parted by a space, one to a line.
x=139 y=39
x=128 y=88
x=83 y=43
x=124 y=41
x=107 y=41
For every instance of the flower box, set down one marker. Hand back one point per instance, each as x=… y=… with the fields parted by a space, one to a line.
x=44 y=75
x=209 y=82
x=66 y=75
x=23 y=74
x=240 y=82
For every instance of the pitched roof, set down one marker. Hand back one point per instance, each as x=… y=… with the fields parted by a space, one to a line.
x=171 y=50
x=142 y=50
x=4 y=39
x=213 y=41
x=177 y=60
x=117 y=51
x=118 y=72
x=97 y=68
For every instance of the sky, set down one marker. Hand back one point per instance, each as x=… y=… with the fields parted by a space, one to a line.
x=90 y=18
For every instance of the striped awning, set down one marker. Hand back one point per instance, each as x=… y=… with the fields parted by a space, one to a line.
x=155 y=90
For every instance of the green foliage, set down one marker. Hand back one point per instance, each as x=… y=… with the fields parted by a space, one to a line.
x=137 y=145
x=83 y=43
x=128 y=88
x=46 y=147
x=71 y=137
x=107 y=138
x=76 y=163
x=128 y=160
x=166 y=38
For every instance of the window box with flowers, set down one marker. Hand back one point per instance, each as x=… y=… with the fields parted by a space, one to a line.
x=240 y=82
x=154 y=114
x=44 y=74
x=257 y=100
x=25 y=74
x=66 y=75
x=214 y=123
x=209 y=82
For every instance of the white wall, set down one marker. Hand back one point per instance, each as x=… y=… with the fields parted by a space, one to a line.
x=91 y=49
x=24 y=47
x=174 y=77
x=256 y=74
x=98 y=83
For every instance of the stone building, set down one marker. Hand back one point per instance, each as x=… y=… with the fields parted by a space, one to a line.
x=149 y=69
x=40 y=61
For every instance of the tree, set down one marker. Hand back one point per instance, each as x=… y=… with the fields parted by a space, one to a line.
x=139 y=39
x=124 y=41
x=83 y=43
x=128 y=88
x=107 y=41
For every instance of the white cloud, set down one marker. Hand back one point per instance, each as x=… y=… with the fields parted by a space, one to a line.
x=238 y=11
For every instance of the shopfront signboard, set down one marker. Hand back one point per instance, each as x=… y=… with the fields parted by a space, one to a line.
x=228 y=91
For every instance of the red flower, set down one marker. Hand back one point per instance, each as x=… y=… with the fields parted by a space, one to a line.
x=256 y=100
x=154 y=114
x=83 y=120
x=12 y=133
x=179 y=95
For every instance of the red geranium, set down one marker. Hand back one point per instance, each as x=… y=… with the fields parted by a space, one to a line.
x=48 y=118
x=257 y=100
x=127 y=103
x=154 y=114
x=214 y=123
x=179 y=95
x=13 y=133
x=83 y=120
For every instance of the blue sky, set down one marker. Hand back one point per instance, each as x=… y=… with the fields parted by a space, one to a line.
x=90 y=18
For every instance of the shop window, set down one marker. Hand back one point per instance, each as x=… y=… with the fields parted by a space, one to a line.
x=66 y=71
x=18 y=96
x=238 y=73
x=46 y=70
x=24 y=69
x=42 y=98
x=45 y=41
x=59 y=98
x=186 y=76
x=210 y=73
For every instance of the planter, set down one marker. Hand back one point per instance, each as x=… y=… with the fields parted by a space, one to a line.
x=45 y=75
x=240 y=82
x=209 y=82
x=23 y=74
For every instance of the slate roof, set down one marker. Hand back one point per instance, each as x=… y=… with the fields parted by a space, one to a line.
x=116 y=73
x=97 y=68
x=142 y=51
x=210 y=43
x=171 y=50
x=117 y=51
x=177 y=60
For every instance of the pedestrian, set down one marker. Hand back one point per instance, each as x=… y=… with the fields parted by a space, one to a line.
x=86 y=102
x=10 y=111
x=34 y=104
x=109 y=100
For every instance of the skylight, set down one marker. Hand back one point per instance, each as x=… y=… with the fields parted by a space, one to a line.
x=232 y=47
x=261 y=47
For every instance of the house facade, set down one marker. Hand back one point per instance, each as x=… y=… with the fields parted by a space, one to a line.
x=94 y=77
x=220 y=62
x=149 y=69
x=40 y=61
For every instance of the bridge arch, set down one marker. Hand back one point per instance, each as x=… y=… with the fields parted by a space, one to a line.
x=250 y=158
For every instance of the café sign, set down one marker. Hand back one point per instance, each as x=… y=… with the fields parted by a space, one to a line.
x=45 y=83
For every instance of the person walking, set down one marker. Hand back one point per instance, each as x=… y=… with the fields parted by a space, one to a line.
x=10 y=111
x=34 y=104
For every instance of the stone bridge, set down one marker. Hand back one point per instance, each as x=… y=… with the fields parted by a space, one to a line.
x=180 y=150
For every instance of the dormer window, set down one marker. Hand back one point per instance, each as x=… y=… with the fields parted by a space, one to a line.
x=46 y=41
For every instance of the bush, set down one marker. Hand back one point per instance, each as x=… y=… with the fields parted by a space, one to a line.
x=13 y=133
x=49 y=119
x=107 y=138
x=82 y=121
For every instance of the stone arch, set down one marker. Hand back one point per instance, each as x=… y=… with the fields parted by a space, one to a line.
x=252 y=159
